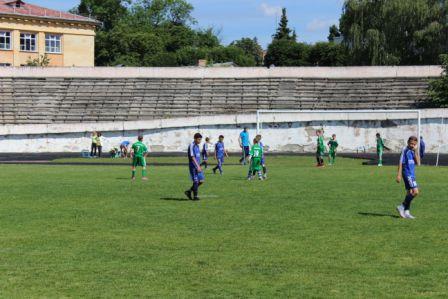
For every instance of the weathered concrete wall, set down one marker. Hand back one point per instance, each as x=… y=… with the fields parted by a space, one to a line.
x=197 y=72
x=282 y=133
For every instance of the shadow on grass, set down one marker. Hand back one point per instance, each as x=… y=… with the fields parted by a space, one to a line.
x=175 y=199
x=378 y=215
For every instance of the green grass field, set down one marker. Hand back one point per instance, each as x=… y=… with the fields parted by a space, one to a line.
x=87 y=231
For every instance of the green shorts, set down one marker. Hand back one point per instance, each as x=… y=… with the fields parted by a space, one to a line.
x=255 y=164
x=139 y=161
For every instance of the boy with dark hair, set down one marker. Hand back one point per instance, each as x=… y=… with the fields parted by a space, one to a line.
x=263 y=162
x=320 y=151
x=333 y=145
x=139 y=152
x=194 y=163
x=204 y=153
x=406 y=170
x=220 y=153
x=255 y=154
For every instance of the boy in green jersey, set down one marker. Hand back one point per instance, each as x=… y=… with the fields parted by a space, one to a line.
x=379 y=149
x=255 y=155
x=333 y=145
x=320 y=148
x=138 y=154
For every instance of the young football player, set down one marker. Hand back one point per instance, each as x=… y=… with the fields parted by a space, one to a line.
x=333 y=145
x=139 y=152
x=255 y=154
x=263 y=161
x=379 y=149
x=194 y=163
x=204 y=153
x=410 y=158
x=320 y=151
x=220 y=153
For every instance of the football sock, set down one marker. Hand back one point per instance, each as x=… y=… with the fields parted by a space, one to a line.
x=144 y=172
x=133 y=173
x=407 y=201
x=195 y=188
x=265 y=170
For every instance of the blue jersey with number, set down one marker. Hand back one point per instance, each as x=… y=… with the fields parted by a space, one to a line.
x=408 y=162
x=219 y=149
x=245 y=138
x=194 y=151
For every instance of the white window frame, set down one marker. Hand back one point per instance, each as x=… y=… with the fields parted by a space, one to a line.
x=28 y=36
x=53 y=40
x=3 y=34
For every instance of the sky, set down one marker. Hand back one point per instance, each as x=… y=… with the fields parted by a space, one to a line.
x=234 y=19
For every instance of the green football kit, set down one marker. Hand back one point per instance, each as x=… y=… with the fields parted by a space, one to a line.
x=256 y=152
x=139 y=149
x=380 y=150
x=333 y=144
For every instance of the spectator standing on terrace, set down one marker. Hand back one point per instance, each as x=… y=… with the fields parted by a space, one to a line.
x=99 y=144
x=245 y=145
x=93 y=147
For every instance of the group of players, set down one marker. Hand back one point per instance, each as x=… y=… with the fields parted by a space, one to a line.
x=254 y=155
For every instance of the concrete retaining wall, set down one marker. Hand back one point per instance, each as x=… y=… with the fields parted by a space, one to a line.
x=197 y=72
x=282 y=132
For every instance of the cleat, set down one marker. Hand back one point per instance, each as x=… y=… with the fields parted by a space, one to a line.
x=188 y=194
x=214 y=171
x=144 y=178
x=380 y=165
x=133 y=179
x=196 y=198
x=408 y=215
x=400 y=210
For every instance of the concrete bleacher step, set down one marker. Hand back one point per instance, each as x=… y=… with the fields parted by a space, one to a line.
x=71 y=100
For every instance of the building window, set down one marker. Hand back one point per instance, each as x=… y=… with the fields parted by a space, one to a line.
x=28 y=42
x=52 y=43
x=5 y=40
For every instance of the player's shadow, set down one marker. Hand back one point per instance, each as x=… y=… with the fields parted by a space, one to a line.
x=174 y=199
x=377 y=215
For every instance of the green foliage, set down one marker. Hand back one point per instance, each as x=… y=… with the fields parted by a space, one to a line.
x=89 y=232
x=333 y=33
x=283 y=31
x=107 y=11
x=252 y=48
x=392 y=32
x=41 y=61
x=157 y=33
x=438 y=89
x=328 y=54
x=287 y=52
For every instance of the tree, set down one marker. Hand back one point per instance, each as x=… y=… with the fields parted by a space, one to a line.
x=438 y=88
x=328 y=54
x=251 y=48
x=283 y=31
x=286 y=52
x=391 y=32
x=109 y=12
x=42 y=61
x=333 y=33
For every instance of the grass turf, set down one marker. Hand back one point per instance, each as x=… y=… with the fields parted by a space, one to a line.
x=87 y=231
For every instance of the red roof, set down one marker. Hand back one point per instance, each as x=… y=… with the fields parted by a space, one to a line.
x=18 y=7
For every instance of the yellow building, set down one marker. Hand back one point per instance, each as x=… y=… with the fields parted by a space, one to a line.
x=28 y=31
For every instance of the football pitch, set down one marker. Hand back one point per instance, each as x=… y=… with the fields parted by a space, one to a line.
x=88 y=231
